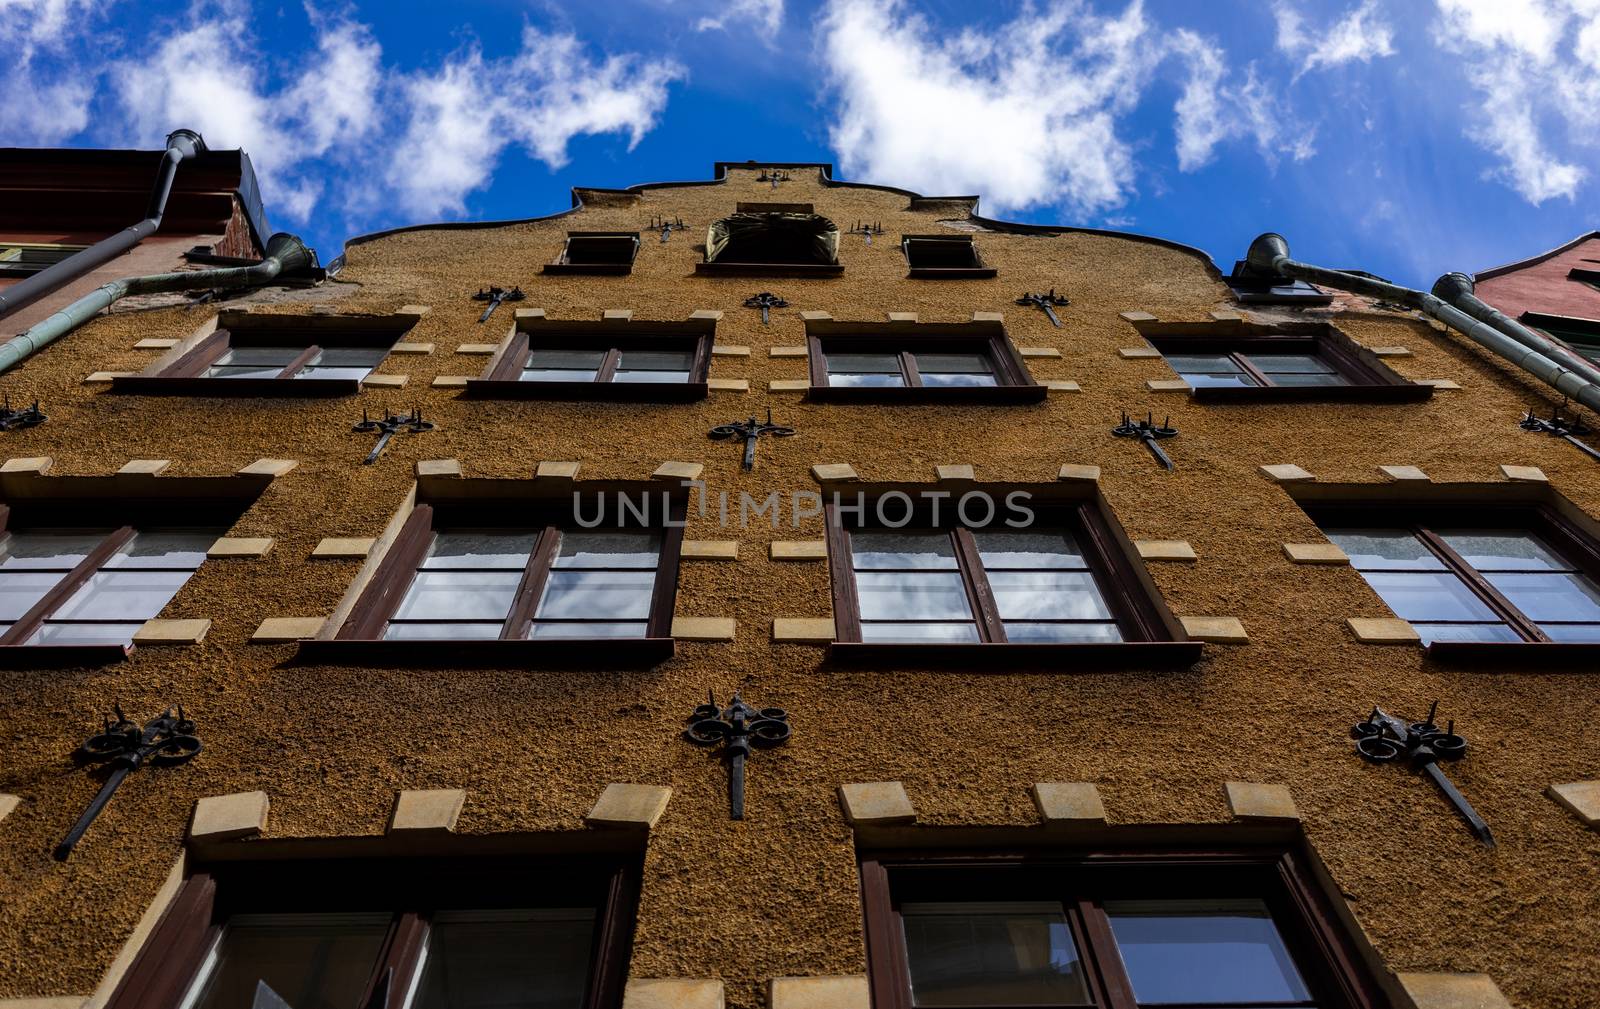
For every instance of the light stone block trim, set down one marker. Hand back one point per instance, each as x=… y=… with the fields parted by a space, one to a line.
x=1137 y=316
x=816 y=316
x=155 y=344
x=844 y=991
x=1315 y=553
x=1439 y=383
x=269 y=467
x=226 y=817
x=1580 y=798
x=1252 y=801
x=38 y=465
x=1403 y=473
x=384 y=381
x=415 y=310
x=451 y=381
x=710 y=550
x=826 y=471
x=530 y=313
x=432 y=810
x=803 y=630
x=1164 y=550
x=617 y=315
x=799 y=351
x=171 y=632
x=729 y=350
x=1218 y=630
x=1524 y=474
x=1166 y=385
x=1383 y=631
x=799 y=550
x=988 y=317
x=673 y=993
x=9 y=804
x=678 y=471
x=728 y=385
x=1453 y=991
x=1059 y=385
x=1227 y=316
x=788 y=385
x=343 y=548
x=712 y=314
x=438 y=467
x=876 y=804
x=477 y=348
x=1286 y=472
x=277 y=630
x=956 y=472
x=703 y=628
x=635 y=807
x=902 y=317
x=94 y=378
x=240 y=546
x=1077 y=471
x=144 y=467
x=1391 y=351
x=552 y=470
x=411 y=348
x=46 y=1002
x=1065 y=802
x=1038 y=352
x=1134 y=353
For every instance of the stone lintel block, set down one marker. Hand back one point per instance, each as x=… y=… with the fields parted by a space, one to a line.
x=1524 y=474
x=788 y=385
x=1439 y=383
x=1581 y=798
x=956 y=472
x=38 y=465
x=269 y=467
x=635 y=807
x=225 y=817
x=1078 y=471
x=451 y=381
x=1165 y=550
x=343 y=548
x=438 y=467
x=673 y=993
x=477 y=348
x=902 y=317
x=799 y=550
x=171 y=632
x=1383 y=631
x=275 y=630
x=710 y=550
x=434 y=810
x=1223 y=315
x=1038 y=352
x=240 y=546
x=8 y=804
x=799 y=351
x=1166 y=385
x=411 y=348
x=617 y=314
x=144 y=467
x=529 y=314
x=1403 y=473
x=1062 y=385
x=97 y=377
x=728 y=384
x=384 y=381
x=415 y=310
x=1218 y=630
x=1062 y=802
x=803 y=630
x=1453 y=991
x=1251 y=801
x=816 y=316
x=1135 y=353
x=679 y=471
x=703 y=628
x=844 y=991
x=1315 y=553
x=155 y=345
x=729 y=350
x=712 y=314
x=1137 y=316
x=826 y=471
x=1391 y=351
x=876 y=803
x=988 y=317
x=552 y=470
x=1286 y=472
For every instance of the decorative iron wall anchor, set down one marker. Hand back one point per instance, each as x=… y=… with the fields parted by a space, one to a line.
x=12 y=420
x=164 y=741
x=863 y=228
x=494 y=296
x=766 y=301
x=773 y=175
x=1383 y=738
x=1567 y=428
x=751 y=430
x=411 y=423
x=1045 y=301
x=1149 y=432
x=739 y=727
x=666 y=227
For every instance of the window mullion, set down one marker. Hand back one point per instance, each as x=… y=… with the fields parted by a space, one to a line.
x=1244 y=362
x=300 y=362
x=531 y=588
x=608 y=367
x=1100 y=949
x=63 y=590
x=1480 y=585
x=394 y=971
x=908 y=366
x=980 y=596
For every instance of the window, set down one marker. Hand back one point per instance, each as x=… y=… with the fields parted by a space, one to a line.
x=1119 y=931
x=659 y=362
x=597 y=252
x=961 y=362
x=24 y=259
x=1582 y=335
x=1583 y=276
x=423 y=933
x=1283 y=364
x=772 y=243
x=1251 y=288
x=950 y=257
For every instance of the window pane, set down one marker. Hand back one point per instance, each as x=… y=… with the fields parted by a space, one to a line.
x=343 y=362
x=1429 y=596
x=122 y=595
x=864 y=363
x=61 y=550
x=1025 y=633
x=487 y=631
x=588 y=629
x=19 y=590
x=616 y=594
x=1550 y=597
x=1209 y=364
x=919 y=632
x=1376 y=549
x=874 y=549
x=1310 y=379
x=1225 y=952
x=1504 y=550
x=563 y=365
x=510 y=959
x=912 y=596
x=1288 y=364
x=84 y=634
x=164 y=550
x=248 y=371
x=1028 y=548
x=1572 y=633
x=481 y=548
x=583 y=549
x=280 y=356
x=1200 y=381
x=310 y=961
x=1465 y=632
x=1029 y=595
x=992 y=954
x=946 y=370
x=878 y=381
x=949 y=380
x=459 y=595
x=653 y=366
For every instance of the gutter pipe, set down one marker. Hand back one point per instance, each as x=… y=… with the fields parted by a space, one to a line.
x=1531 y=352
x=284 y=252
x=1457 y=289
x=181 y=145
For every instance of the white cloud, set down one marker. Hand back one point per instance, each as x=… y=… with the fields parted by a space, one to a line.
x=765 y=15
x=46 y=103
x=1360 y=36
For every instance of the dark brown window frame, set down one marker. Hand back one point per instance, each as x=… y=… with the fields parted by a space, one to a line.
x=1016 y=386
x=1330 y=960
x=752 y=268
x=977 y=271
x=179 y=374
x=565 y=266
x=1153 y=637
x=500 y=377
x=410 y=888
x=1584 y=276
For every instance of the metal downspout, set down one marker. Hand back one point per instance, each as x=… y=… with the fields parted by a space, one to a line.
x=284 y=252
x=181 y=145
x=1457 y=289
x=1269 y=253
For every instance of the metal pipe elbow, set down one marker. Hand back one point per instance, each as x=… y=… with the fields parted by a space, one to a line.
x=290 y=252
x=1266 y=251
x=188 y=143
x=1452 y=286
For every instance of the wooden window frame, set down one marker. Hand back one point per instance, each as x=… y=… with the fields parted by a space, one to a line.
x=1371 y=381
x=977 y=271
x=500 y=379
x=410 y=889
x=1326 y=955
x=1152 y=637
x=758 y=268
x=565 y=266
x=1016 y=384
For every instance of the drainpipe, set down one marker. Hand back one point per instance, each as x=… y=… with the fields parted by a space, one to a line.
x=284 y=252
x=181 y=145
x=1457 y=289
x=1269 y=254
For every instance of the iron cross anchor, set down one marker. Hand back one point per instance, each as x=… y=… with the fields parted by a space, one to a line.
x=1557 y=426
x=1383 y=738
x=1148 y=431
x=1044 y=301
x=774 y=176
x=751 y=430
x=11 y=420
x=494 y=296
x=766 y=301
x=863 y=228
x=739 y=727
x=165 y=740
x=666 y=227
x=390 y=424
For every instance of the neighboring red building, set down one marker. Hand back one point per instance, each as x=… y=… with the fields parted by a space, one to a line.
x=1556 y=291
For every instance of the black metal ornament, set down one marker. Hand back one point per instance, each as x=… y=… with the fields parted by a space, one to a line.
x=773 y=175
x=863 y=228
x=165 y=740
x=1383 y=738
x=1149 y=432
x=1567 y=428
x=750 y=430
x=739 y=727
x=1045 y=301
x=494 y=296
x=388 y=427
x=666 y=227
x=12 y=420
x=766 y=301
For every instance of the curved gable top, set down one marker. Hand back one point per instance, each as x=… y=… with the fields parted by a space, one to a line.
x=1535 y=260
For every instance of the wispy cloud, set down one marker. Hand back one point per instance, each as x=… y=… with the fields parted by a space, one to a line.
x=1360 y=36
x=1211 y=111
x=47 y=102
x=766 y=16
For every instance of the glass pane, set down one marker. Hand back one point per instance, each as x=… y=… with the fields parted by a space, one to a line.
x=481 y=548
x=506 y=960
x=864 y=364
x=1504 y=550
x=1288 y=364
x=84 y=634
x=1465 y=632
x=61 y=550
x=248 y=371
x=21 y=589
x=1572 y=633
x=443 y=632
x=459 y=595
x=992 y=954
x=343 y=362
x=312 y=961
x=280 y=356
x=1310 y=379
x=1225 y=952
x=587 y=629
x=653 y=366
x=1197 y=380
x=616 y=594
x=919 y=632
x=874 y=549
x=563 y=365
x=1034 y=595
x=947 y=370
x=353 y=373
x=1428 y=596
x=1210 y=364
x=947 y=380
x=846 y=380
x=1550 y=597
x=1028 y=548
x=556 y=375
x=1376 y=549
x=164 y=550
x=122 y=595
x=912 y=596
x=1023 y=633
x=583 y=549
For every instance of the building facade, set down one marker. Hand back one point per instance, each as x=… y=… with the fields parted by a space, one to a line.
x=1065 y=726
x=1557 y=292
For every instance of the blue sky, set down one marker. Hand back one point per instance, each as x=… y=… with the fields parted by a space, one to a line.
x=1403 y=137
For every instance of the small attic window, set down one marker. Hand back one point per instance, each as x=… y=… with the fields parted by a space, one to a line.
x=1582 y=335
x=608 y=253
x=24 y=259
x=1251 y=288
x=1582 y=276
x=774 y=244
x=947 y=257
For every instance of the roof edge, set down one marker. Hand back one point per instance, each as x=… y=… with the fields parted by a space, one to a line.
x=1495 y=271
